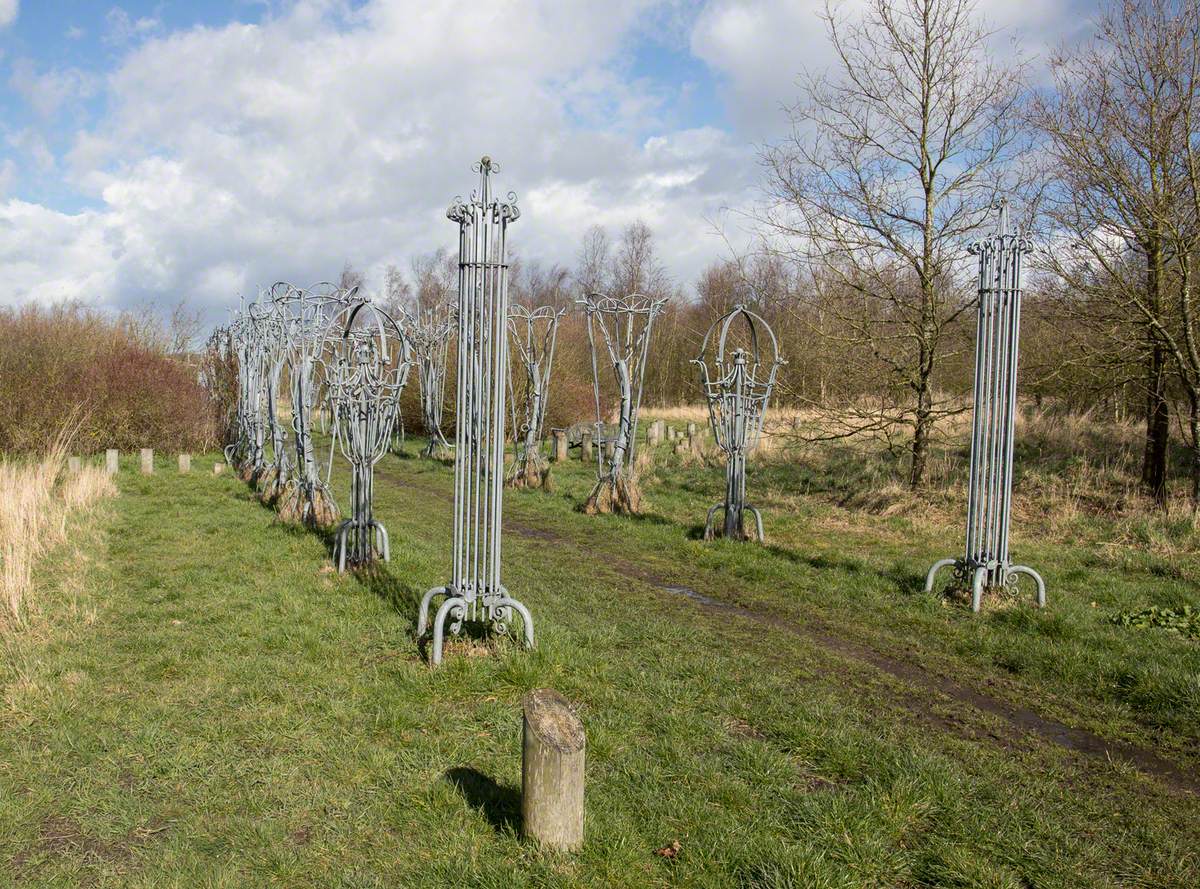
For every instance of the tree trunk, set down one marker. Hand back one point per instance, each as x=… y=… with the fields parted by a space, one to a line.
x=1158 y=417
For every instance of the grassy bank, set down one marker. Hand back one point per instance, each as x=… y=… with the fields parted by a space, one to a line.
x=239 y=715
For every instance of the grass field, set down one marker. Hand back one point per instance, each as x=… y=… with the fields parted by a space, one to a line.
x=206 y=703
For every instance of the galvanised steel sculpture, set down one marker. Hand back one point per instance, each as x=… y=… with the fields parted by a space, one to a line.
x=430 y=330
x=986 y=564
x=306 y=498
x=367 y=362
x=247 y=452
x=475 y=593
x=623 y=324
x=274 y=340
x=737 y=387
x=533 y=333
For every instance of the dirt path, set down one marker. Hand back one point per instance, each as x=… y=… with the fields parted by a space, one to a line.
x=1021 y=719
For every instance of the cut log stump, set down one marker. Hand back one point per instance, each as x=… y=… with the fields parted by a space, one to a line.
x=552 y=771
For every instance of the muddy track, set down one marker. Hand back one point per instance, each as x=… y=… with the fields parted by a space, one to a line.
x=1020 y=718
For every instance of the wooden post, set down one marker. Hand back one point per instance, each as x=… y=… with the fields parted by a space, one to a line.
x=185 y=462
x=218 y=468
x=111 y=461
x=672 y=434
x=610 y=449
x=585 y=447
x=695 y=442
x=560 y=445
x=691 y=430
x=552 y=771
x=74 y=464
x=147 y=461
x=652 y=435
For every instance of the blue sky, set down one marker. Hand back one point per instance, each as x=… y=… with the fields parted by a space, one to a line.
x=154 y=152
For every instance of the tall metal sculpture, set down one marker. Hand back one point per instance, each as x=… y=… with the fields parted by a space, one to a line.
x=430 y=330
x=306 y=498
x=274 y=336
x=989 y=495
x=475 y=592
x=366 y=367
x=737 y=389
x=533 y=333
x=247 y=452
x=624 y=324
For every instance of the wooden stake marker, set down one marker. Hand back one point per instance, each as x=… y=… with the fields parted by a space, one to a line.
x=552 y=772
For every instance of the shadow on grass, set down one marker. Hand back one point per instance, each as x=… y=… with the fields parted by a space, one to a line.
x=401 y=597
x=499 y=803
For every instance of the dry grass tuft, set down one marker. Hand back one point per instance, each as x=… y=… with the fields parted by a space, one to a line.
x=37 y=502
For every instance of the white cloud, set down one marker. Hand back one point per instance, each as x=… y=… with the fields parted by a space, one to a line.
x=122 y=28
x=48 y=91
x=8 y=12
x=763 y=47
x=232 y=157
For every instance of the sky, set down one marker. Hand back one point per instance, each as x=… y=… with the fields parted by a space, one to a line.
x=197 y=150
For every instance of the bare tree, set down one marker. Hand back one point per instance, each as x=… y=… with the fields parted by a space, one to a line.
x=434 y=278
x=1117 y=131
x=591 y=272
x=351 y=277
x=891 y=165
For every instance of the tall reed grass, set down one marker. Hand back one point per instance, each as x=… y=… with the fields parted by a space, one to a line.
x=38 y=503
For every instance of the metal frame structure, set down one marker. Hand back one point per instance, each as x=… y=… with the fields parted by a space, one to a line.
x=366 y=367
x=737 y=389
x=475 y=592
x=430 y=331
x=624 y=324
x=274 y=477
x=247 y=452
x=307 y=315
x=986 y=563
x=533 y=333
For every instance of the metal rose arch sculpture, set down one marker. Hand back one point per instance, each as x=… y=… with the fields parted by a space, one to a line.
x=621 y=326
x=737 y=376
x=985 y=563
x=475 y=592
x=533 y=333
x=367 y=361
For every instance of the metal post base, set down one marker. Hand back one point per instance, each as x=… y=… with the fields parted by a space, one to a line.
x=712 y=532
x=978 y=575
x=455 y=608
x=341 y=544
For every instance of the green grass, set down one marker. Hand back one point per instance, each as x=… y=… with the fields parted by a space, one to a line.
x=238 y=715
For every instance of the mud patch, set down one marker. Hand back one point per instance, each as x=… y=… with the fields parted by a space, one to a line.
x=59 y=836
